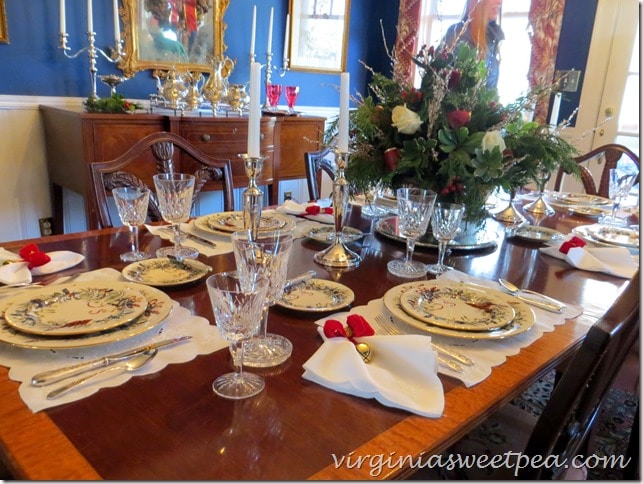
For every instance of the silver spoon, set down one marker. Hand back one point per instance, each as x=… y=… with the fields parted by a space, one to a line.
x=131 y=365
x=553 y=306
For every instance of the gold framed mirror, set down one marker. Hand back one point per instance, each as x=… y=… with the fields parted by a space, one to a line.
x=4 y=34
x=319 y=35
x=162 y=34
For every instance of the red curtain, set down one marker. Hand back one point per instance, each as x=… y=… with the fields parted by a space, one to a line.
x=545 y=20
x=408 y=25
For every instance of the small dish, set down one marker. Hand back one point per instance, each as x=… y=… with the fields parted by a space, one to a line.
x=589 y=212
x=569 y=198
x=326 y=235
x=614 y=235
x=317 y=295
x=537 y=234
x=74 y=309
x=163 y=272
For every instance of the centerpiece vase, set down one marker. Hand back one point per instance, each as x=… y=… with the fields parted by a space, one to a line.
x=338 y=255
x=510 y=214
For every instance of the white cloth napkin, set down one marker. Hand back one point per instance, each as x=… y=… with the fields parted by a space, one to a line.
x=24 y=363
x=224 y=243
x=293 y=208
x=402 y=373
x=18 y=272
x=615 y=261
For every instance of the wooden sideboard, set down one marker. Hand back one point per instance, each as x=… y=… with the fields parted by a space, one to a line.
x=75 y=138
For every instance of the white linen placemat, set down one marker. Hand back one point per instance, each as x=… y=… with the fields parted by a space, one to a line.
x=24 y=363
x=485 y=353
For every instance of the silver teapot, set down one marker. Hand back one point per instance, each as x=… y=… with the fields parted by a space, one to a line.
x=173 y=89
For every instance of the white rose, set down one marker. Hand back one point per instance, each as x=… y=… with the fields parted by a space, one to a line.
x=405 y=120
x=492 y=139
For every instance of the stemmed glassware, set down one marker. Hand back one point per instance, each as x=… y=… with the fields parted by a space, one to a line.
x=619 y=187
x=445 y=223
x=174 y=192
x=237 y=312
x=264 y=255
x=273 y=92
x=131 y=203
x=414 y=207
x=291 y=97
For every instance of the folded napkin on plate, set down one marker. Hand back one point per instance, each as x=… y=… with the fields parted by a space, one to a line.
x=615 y=261
x=318 y=211
x=402 y=372
x=223 y=242
x=15 y=269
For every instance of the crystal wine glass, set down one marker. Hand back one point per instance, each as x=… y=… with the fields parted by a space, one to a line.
x=131 y=203
x=291 y=97
x=414 y=207
x=174 y=192
x=445 y=223
x=237 y=313
x=619 y=187
x=264 y=255
x=273 y=91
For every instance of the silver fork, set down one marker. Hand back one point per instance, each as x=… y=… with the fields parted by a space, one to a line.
x=389 y=328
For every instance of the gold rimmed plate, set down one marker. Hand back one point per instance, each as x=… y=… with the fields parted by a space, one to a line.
x=317 y=295
x=74 y=309
x=457 y=306
x=614 y=235
x=233 y=222
x=533 y=233
x=569 y=198
x=157 y=310
x=522 y=322
x=161 y=272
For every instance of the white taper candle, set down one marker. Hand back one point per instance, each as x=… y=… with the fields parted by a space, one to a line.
x=90 y=20
x=286 y=38
x=269 y=47
x=253 y=32
x=63 y=25
x=342 y=135
x=117 y=24
x=254 y=113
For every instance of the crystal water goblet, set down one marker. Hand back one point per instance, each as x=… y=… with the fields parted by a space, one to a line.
x=265 y=255
x=414 y=207
x=619 y=188
x=237 y=312
x=445 y=222
x=174 y=192
x=273 y=91
x=292 y=92
x=131 y=203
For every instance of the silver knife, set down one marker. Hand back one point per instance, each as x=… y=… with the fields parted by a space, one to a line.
x=199 y=239
x=52 y=376
x=554 y=308
x=295 y=281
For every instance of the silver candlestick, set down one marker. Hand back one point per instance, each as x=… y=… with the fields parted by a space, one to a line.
x=338 y=255
x=252 y=196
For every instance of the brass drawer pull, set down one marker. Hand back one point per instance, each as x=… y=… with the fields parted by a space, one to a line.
x=206 y=137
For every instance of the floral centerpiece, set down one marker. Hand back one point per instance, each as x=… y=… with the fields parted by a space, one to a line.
x=450 y=135
x=115 y=104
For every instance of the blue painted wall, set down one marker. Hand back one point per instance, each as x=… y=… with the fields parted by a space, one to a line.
x=32 y=63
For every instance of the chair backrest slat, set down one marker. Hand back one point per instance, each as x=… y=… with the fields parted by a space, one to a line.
x=318 y=162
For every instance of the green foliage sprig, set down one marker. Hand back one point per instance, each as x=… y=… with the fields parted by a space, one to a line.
x=115 y=104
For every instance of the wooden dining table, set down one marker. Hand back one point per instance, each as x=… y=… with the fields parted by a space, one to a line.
x=170 y=425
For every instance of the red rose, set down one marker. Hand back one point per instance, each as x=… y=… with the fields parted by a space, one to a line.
x=391 y=157
x=458 y=118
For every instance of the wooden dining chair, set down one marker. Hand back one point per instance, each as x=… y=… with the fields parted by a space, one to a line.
x=563 y=427
x=131 y=169
x=609 y=155
x=317 y=163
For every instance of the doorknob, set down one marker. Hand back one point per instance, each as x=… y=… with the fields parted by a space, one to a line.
x=609 y=111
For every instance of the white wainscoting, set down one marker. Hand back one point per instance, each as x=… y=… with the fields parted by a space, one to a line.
x=25 y=195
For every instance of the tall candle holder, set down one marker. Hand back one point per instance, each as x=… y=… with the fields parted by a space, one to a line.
x=269 y=69
x=338 y=255
x=252 y=196
x=92 y=52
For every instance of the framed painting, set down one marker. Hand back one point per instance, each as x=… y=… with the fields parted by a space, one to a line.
x=4 y=34
x=319 y=35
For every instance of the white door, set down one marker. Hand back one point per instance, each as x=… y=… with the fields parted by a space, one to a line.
x=609 y=103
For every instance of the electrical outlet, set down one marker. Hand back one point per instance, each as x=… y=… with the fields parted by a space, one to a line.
x=46 y=226
x=287 y=196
